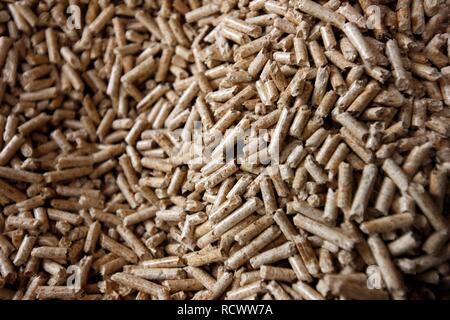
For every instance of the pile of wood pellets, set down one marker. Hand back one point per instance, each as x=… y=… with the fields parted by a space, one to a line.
x=224 y=149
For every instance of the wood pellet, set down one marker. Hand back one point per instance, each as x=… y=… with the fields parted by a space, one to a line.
x=224 y=149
